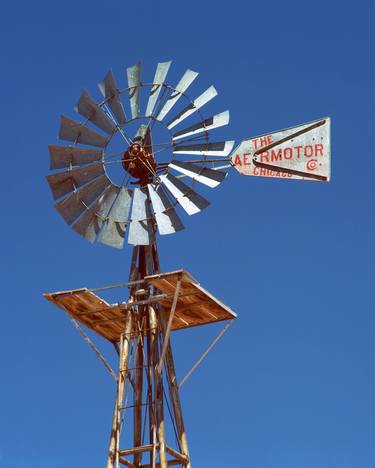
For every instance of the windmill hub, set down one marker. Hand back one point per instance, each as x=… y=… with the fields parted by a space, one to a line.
x=139 y=162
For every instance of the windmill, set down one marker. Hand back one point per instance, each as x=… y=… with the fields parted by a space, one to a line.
x=159 y=183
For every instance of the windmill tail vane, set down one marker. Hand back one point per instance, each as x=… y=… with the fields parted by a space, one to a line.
x=158 y=182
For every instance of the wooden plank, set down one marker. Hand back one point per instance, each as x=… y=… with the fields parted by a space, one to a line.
x=177 y=455
x=195 y=306
x=113 y=452
x=175 y=395
x=138 y=391
x=158 y=387
x=139 y=449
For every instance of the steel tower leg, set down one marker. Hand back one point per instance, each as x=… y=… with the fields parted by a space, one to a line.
x=141 y=342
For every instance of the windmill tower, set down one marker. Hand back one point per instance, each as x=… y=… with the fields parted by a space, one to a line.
x=153 y=187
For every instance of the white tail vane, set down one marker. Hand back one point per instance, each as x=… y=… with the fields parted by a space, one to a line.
x=301 y=152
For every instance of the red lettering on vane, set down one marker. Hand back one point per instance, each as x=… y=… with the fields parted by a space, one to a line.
x=298 y=148
x=308 y=151
x=288 y=153
x=276 y=156
x=246 y=161
x=262 y=141
x=237 y=160
x=319 y=150
x=264 y=157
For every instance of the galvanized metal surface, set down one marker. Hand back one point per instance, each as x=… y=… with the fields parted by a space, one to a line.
x=221 y=148
x=301 y=152
x=102 y=211
x=112 y=233
x=65 y=156
x=88 y=225
x=218 y=120
x=188 y=77
x=70 y=130
x=199 y=102
x=134 y=81
x=141 y=228
x=110 y=92
x=205 y=175
x=63 y=183
x=167 y=219
x=159 y=78
x=91 y=221
x=88 y=108
x=113 y=230
x=120 y=210
x=190 y=201
x=76 y=203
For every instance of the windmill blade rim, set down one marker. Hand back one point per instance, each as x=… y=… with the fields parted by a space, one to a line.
x=185 y=81
x=181 y=196
x=203 y=126
x=154 y=95
x=56 y=152
x=117 y=106
x=196 y=104
x=57 y=179
x=87 y=107
x=81 y=198
x=207 y=176
x=163 y=209
x=206 y=148
x=66 y=123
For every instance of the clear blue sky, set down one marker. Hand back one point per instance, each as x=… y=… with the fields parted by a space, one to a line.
x=292 y=383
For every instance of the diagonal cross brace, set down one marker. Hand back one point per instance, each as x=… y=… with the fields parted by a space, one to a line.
x=169 y=325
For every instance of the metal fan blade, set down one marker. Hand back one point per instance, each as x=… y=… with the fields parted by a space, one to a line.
x=114 y=227
x=120 y=209
x=89 y=224
x=141 y=226
x=216 y=121
x=71 y=130
x=204 y=175
x=66 y=182
x=66 y=156
x=222 y=148
x=112 y=233
x=88 y=108
x=134 y=81
x=111 y=93
x=188 y=77
x=199 y=102
x=160 y=75
x=190 y=201
x=72 y=206
x=166 y=217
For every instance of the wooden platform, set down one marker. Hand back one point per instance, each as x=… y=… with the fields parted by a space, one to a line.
x=195 y=306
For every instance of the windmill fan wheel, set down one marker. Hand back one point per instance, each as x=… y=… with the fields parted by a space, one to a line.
x=154 y=185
